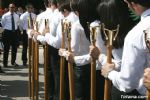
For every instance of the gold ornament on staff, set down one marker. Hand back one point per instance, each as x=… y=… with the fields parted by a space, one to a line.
x=93 y=36
x=110 y=36
x=70 y=67
x=46 y=23
x=62 y=60
x=147 y=41
x=30 y=61
x=36 y=55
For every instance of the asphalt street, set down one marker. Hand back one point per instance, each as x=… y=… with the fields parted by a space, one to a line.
x=14 y=82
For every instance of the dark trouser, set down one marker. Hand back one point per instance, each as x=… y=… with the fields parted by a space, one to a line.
x=118 y=95
x=53 y=72
x=100 y=80
x=10 y=38
x=82 y=82
x=54 y=75
x=25 y=46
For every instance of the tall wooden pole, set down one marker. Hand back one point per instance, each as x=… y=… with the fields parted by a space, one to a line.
x=33 y=70
x=62 y=68
x=110 y=37
x=36 y=65
x=70 y=67
x=46 y=72
x=46 y=67
x=93 y=66
x=30 y=61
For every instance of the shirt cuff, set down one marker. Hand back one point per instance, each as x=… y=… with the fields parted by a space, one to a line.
x=82 y=60
x=117 y=64
x=41 y=38
x=29 y=33
x=112 y=75
x=47 y=36
x=102 y=59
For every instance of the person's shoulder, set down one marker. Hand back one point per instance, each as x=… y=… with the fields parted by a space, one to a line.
x=41 y=14
x=6 y=14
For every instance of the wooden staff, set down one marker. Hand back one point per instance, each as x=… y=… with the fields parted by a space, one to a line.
x=93 y=66
x=31 y=63
x=62 y=68
x=36 y=65
x=46 y=67
x=30 y=60
x=33 y=69
x=110 y=37
x=147 y=41
x=70 y=67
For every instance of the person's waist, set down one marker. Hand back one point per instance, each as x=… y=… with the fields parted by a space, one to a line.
x=10 y=30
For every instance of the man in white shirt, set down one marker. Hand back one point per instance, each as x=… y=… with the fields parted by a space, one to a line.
x=28 y=15
x=127 y=82
x=10 y=22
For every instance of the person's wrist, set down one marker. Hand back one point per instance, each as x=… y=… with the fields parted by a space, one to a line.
x=109 y=72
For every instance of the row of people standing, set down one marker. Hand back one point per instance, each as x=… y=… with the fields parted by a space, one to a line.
x=111 y=13
x=79 y=45
x=126 y=70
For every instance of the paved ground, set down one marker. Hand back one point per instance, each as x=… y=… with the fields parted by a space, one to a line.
x=14 y=83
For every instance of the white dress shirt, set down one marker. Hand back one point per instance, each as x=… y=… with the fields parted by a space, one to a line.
x=41 y=23
x=134 y=58
x=47 y=14
x=55 y=41
x=54 y=19
x=79 y=43
x=7 y=23
x=24 y=20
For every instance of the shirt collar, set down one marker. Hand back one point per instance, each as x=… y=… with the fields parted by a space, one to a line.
x=145 y=14
x=10 y=13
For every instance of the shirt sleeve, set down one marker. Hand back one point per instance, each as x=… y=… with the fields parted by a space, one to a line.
x=3 y=21
x=132 y=68
x=75 y=39
x=54 y=41
x=41 y=38
x=82 y=60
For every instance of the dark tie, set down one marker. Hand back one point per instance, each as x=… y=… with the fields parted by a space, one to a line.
x=31 y=20
x=13 y=22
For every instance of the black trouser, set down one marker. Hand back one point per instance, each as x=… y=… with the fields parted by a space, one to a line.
x=118 y=95
x=10 y=38
x=100 y=80
x=54 y=75
x=53 y=72
x=82 y=82
x=25 y=46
